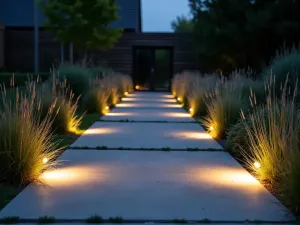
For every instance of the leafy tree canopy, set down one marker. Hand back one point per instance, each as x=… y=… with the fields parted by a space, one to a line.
x=182 y=25
x=241 y=33
x=83 y=22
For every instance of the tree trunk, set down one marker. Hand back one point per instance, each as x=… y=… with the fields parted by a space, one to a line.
x=71 y=54
x=62 y=53
x=85 y=58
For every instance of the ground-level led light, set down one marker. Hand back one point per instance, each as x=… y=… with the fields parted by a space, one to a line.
x=126 y=93
x=257 y=165
x=178 y=99
x=191 y=110
x=137 y=87
x=107 y=107
x=45 y=160
x=211 y=128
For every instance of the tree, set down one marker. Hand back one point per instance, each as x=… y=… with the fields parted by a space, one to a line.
x=241 y=33
x=86 y=23
x=182 y=25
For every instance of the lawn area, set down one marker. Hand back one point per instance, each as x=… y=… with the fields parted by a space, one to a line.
x=8 y=192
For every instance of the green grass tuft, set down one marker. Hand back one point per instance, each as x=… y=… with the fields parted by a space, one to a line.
x=47 y=219
x=101 y=147
x=94 y=219
x=10 y=220
x=179 y=221
x=116 y=219
x=206 y=220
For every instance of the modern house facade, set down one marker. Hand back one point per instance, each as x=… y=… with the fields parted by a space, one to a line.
x=134 y=47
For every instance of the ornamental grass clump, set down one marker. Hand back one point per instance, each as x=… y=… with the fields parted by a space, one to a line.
x=274 y=142
x=223 y=108
x=63 y=102
x=27 y=146
x=124 y=84
x=97 y=98
x=196 y=93
x=112 y=88
x=181 y=84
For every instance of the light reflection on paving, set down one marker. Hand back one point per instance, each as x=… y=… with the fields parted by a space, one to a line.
x=147 y=135
x=172 y=115
x=148 y=185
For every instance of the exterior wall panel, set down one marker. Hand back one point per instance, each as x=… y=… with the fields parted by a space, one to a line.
x=19 y=50
x=19 y=13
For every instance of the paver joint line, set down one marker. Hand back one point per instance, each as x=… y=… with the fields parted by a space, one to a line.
x=146 y=149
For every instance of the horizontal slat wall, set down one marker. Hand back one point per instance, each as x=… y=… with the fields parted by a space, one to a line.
x=19 y=50
x=120 y=58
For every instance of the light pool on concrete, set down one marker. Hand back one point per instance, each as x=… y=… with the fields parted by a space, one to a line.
x=150 y=186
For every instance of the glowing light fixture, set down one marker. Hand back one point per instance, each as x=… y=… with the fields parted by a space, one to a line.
x=211 y=128
x=107 y=107
x=178 y=99
x=137 y=87
x=191 y=110
x=45 y=160
x=257 y=165
x=126 y=93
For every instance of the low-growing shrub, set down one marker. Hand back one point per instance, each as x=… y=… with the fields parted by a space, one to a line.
x=77 y=78
x=27 y=146
x=285 y=63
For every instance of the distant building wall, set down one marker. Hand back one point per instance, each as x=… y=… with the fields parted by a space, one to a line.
x=1 y=45
x=19 y=50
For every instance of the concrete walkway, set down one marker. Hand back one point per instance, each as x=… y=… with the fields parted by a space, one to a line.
x=164 y=182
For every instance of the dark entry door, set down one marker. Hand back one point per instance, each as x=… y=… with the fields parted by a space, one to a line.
x=152 y=67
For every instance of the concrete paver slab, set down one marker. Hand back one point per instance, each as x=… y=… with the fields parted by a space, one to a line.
x=171 y=115
x=148 y=105
x=149 y=100
x=147 y=135
x=152 y=95
x=149 y=186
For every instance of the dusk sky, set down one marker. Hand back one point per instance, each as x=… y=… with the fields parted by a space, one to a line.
x=157 y=15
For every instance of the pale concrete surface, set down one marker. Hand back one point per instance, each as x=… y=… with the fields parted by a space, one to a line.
x=163 y=101
x=146 y=95
x=149 y=186
x=148 y=105
x=146 y=135
x=140 y=114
